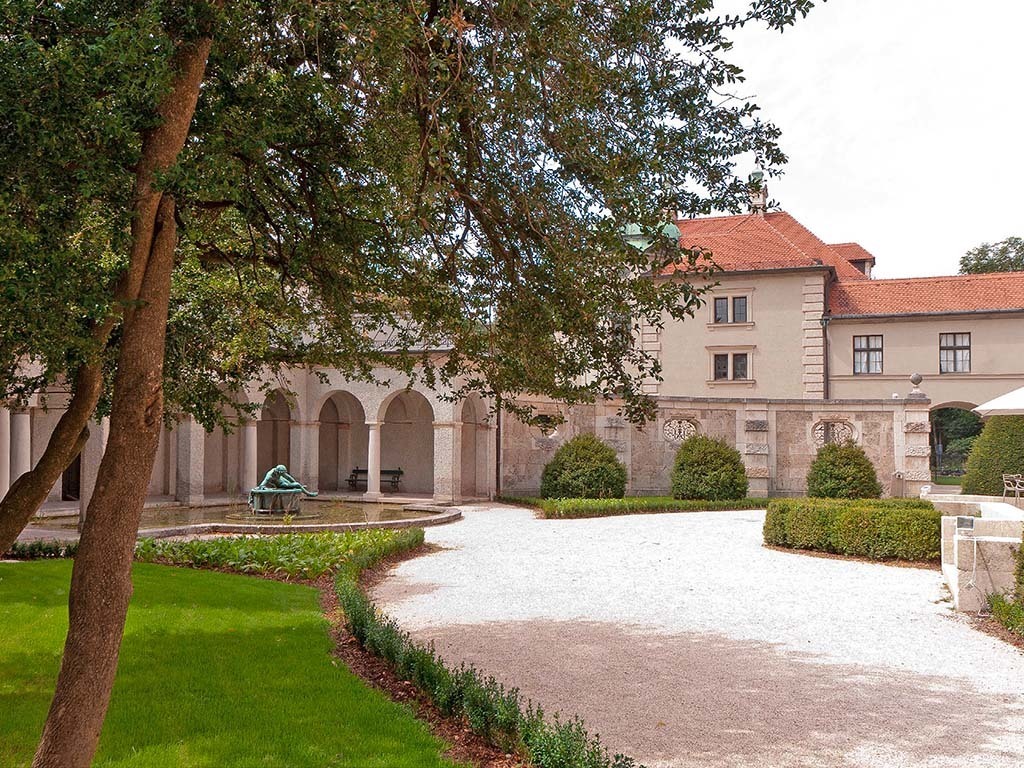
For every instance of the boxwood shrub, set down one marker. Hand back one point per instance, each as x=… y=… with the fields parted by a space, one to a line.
x=997 y=451
x=889 y=529
x=843 y=471
x=710 y=469
x=631 y=505
x=584 y=468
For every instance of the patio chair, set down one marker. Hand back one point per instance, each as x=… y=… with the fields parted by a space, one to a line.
x=1013 y=484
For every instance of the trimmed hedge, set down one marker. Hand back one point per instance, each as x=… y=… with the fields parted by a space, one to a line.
x=707 y=468
x=632 y=505
x=889 y=529
x=997 y=451
x=1008 y=613
x=843 y=471
x=584 y=468
x=496 y=713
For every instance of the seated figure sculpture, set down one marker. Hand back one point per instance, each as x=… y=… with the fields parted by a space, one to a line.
x=278 y=493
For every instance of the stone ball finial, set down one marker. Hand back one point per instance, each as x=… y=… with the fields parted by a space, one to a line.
x=916 y=379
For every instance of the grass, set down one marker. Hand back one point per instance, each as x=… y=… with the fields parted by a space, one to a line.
x=631 y=505
x=947 y=479
x=215 y=670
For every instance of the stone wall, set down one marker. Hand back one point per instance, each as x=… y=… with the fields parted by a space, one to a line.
x=778 y=440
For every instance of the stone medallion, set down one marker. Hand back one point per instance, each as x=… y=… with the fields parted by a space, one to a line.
x=831 y=432
x=677 y=430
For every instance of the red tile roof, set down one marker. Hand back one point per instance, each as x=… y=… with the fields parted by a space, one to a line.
x=959 y=293
x=755 y=242
x=853 y=252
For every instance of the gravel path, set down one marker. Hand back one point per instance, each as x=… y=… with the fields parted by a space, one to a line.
x=684 y=642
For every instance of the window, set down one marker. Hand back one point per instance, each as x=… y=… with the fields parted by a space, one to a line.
x=721 y=367
x=739 y=366
x=867 y=354
x=722 y=306
x=954 y=353
x=739 y=309
x=733 y=366
x=721 y=310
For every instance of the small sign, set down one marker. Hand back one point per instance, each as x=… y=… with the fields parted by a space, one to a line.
x=964 y=523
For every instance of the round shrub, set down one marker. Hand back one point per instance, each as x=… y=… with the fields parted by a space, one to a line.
x=584 y=468
x=843 y=471
x=707 y=468
x=997 y=451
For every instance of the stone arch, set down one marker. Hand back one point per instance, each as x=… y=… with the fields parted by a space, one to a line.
x=407 y=440
x=342 y=441
x=474 y=457
x=273 y=432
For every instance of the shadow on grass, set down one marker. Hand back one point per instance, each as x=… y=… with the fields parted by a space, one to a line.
x=215 y=670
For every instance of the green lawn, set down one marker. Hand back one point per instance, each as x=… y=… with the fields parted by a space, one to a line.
x=216 y=670
x=947 y=479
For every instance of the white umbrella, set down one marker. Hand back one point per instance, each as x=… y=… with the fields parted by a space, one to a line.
x=1010 y=404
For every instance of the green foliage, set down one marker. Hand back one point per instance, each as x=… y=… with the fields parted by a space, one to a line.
x=215 y=670
x=296 y=555
x=880 y=529
x=378 y=165
x=1007 y=612
x=632 y=505
x=584 y=468
x=842 y=471
x=40 y=550
x=1018 y=573
x=494 y=712
x=708 y=468
x=998 y=450
x=1005 y=256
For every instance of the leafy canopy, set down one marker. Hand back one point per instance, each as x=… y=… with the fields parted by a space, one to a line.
x=1005 y=256
x=371 y=182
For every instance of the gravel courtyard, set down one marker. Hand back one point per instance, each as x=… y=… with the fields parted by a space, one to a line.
x=684 y=642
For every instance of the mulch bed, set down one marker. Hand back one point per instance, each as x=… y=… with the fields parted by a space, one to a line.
x=991 y=626
x=934 y=565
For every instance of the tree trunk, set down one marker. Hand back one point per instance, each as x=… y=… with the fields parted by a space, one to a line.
x=101 y=578
x=29 y=491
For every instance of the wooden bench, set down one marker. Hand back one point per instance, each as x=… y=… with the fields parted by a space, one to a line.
x=360 y=476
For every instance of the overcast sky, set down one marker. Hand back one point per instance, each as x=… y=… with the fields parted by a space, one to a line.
x=902 y=120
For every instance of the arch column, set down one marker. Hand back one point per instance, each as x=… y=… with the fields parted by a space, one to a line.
x=249 y=470
x=447 y=461
x=92 y=454
x=5 y=450
x=189 y=480
x=372 y=461
x=303 y=462
x=21 y=443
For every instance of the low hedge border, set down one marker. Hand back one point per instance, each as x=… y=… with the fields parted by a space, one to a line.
x=878 y=529
x=632 y=505
x=41 y=550
x=495 y=713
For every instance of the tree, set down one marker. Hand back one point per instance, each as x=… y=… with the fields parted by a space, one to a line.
x=403 y=175
x=1005 y=256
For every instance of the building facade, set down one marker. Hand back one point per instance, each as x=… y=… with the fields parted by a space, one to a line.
x=796 y=345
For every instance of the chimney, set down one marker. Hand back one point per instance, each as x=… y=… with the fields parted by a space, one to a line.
x=757 y=189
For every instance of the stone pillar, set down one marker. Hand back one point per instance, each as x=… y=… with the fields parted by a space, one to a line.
x=304 y=465
x=92 y=454
x=372 y=461
x=447 y=462
x=755 y=448
x=916 y=443
x=812 y=360
x=21 y=443
x=5 y=451
x=191 y=464
x=249 y=472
